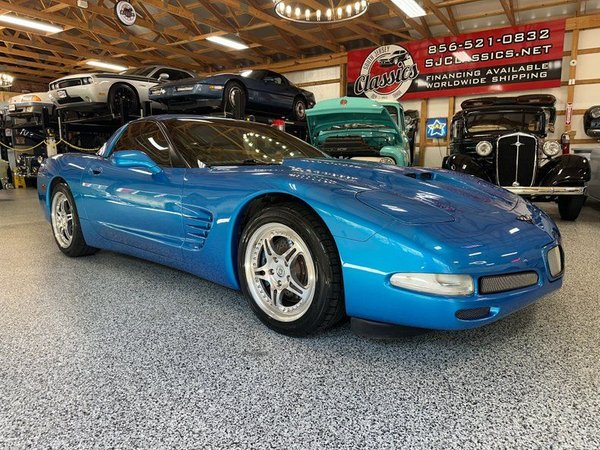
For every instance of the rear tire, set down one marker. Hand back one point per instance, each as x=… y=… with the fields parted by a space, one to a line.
x=569 y=206
x=65 y=223
x=299 y=109
x=290 y=270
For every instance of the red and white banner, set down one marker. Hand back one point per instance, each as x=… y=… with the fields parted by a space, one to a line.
x=486 y=62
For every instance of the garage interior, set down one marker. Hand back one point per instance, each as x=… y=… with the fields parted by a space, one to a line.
x=112 y=351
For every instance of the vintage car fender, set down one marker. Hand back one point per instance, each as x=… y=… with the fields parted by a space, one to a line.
x=398 y=153
x=565 y=170
x=464 y=164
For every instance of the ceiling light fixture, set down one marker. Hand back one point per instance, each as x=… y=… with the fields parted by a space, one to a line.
x=299 y=11
x=411 y=8
x=226 y=42
x=104 y=65
x=6 y=80
x=28 y=23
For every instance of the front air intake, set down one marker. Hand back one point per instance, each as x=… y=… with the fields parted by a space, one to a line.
x=473 y=314
x=502 y=283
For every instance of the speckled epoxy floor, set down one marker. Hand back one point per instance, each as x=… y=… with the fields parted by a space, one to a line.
x=112 y=352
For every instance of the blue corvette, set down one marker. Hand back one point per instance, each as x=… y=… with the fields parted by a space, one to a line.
x=308 y=239
x=256 y=91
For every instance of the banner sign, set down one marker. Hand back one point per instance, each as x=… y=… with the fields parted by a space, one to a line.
x=486 y=62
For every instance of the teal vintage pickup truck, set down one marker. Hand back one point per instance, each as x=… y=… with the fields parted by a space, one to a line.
x=360 y=128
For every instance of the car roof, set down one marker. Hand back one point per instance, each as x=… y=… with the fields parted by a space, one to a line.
x=497 y=108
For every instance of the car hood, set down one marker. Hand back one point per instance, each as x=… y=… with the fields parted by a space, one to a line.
x=459 y=204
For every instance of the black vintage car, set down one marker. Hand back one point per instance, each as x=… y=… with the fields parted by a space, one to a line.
x=503 y=140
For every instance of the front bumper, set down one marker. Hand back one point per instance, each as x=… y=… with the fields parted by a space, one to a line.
x=29 y=109
x=547 y=190
x=369 y=294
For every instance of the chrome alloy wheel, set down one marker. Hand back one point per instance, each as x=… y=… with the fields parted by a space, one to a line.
x=300 y=110
x=235 y=94
x=62 y=219
x=280 y=272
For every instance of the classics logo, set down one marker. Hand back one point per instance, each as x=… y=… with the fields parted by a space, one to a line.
x=386 y=73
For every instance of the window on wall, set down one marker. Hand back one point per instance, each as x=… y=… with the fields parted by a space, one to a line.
x=146 y=137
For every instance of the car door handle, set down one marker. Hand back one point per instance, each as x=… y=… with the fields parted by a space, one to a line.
x=96 y=170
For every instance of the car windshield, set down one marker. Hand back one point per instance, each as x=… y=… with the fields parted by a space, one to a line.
x=393 y=111
x=213 y=143
x=253 y=74
x=140 y=71
x=504 y=121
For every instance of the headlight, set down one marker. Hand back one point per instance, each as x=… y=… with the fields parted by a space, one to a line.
x=88 y=80
x=484 y=148
x=434 y=283
x=551 y=148
x=555 y=261
x=595 y=113
x=387 y=160
x=157 y=91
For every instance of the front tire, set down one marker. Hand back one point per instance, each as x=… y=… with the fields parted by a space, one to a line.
x=122 y=94
x=290 y=271
x=234 y=100
x=65 y=223
x=569 y=206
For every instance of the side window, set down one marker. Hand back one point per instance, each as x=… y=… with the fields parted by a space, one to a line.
x=272 y=78
x=148 y=138
x=174 y=74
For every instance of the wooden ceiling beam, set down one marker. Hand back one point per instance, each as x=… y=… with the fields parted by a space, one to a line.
x=24 y=63
x=64 y=21
x=507 y=6
x=39 y=56
x=440 y=15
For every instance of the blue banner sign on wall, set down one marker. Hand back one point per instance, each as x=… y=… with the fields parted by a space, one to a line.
x=437 y=128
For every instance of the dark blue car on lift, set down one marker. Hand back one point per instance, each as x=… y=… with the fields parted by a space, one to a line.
x=252 y=91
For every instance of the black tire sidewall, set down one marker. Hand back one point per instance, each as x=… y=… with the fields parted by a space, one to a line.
x=134 y=106
x=317 y=311
x=569 y=207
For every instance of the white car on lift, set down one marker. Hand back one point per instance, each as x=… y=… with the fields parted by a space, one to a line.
x=30 y=104
x=100 y=90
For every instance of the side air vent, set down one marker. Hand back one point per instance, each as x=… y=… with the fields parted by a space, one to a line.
x=197 y=223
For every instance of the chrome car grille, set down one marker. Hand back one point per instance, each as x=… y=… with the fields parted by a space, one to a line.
x=516 y=159
x=502 y=283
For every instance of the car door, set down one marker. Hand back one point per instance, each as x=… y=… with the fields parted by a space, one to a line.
x=132 y=206
x=278 y=91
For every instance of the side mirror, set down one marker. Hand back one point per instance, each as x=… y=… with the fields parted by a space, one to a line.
x=163 y=77
x=135 y=159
